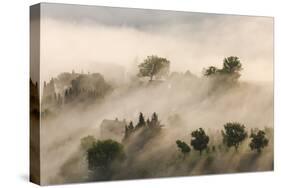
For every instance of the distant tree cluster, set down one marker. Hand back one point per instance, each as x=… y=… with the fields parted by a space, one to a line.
x=233 y=135
x=149 y=124
x=70 y=94
x=87 y=86
x=69 y=87
x=105 y=156
x=50 y=97
x=230 y=70
x=154 y=66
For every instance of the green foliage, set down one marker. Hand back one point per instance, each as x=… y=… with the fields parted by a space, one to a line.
x=87 y=142
x=199 y=140
x=258 y=141
x=147 y=127
x=230 y=70
x=210 y=71
x=234 y=134
x=231 y=64
x=154 y=66
x=184 y=148
x=103 y=153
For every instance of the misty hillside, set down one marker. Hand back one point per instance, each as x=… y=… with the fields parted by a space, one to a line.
x=88 y=106
x=134 y=93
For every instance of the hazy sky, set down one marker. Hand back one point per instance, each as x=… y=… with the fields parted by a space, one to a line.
x=91 y=38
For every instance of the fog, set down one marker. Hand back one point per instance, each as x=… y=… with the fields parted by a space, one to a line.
x=248 y=103
x=116 y=50
x=67 y=46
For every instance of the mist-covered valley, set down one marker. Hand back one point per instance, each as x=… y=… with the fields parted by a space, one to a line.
x=145 y=115
x=135 y=93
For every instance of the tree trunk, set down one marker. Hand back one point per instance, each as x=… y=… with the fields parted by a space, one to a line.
x=152 y=72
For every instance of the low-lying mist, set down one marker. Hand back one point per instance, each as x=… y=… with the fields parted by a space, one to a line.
x=101 y=68
x=183 y=103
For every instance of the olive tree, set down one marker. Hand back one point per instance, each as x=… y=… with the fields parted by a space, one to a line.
x=234 y=134
x=199 y=140
x=183 y=147
x=154 y=66
x=258 y=141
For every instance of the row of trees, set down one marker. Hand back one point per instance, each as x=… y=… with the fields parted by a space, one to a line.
x=150 y=124
x=154 y=66
x=105 y=156
x=233 y=135
x=229 y=73
x=101 y=154
x=231 y=65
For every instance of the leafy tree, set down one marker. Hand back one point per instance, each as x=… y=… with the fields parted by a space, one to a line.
x=258 y=141
x=184 y=148
x=199 y=140
x=230 y=70
x=234 y=134
x=210 y=71
x=154 y=66
x=103 y=153
x=231 y=64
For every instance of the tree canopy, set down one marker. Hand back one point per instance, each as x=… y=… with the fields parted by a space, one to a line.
x=230 y=70
x=199 y=140
x=154 y=66
x=234 y=134
x=103 y=153
x=231 y=64
x=210 y=71
x=258 y=141
x=184 y=148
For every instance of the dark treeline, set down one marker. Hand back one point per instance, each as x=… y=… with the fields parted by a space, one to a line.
x=107 y=157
